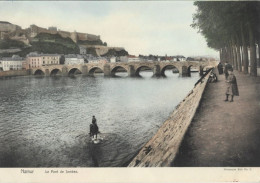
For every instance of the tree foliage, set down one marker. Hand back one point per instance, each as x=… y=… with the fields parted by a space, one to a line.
x=230 y=26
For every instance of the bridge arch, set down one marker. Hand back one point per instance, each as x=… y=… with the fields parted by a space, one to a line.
x=193 y=68
x=143 y=68
x=38 y=72
x=74 y=71
x=117 y=69
x=171 y=67
x=94 y=69
x=55 y=72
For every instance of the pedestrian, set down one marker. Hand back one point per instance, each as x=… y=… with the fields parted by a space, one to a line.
x=232 y=88
x=227 y=67
x=94 y=128
x=220 y=68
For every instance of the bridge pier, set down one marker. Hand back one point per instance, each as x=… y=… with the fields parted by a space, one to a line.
x=184 y=71
x=107 y=72
x=201 y=70
x=84 y=70
x=30 y=71
x=64 y=71
x=47 y=72
x=189 y=72
x=156 y=71
x=131 y=71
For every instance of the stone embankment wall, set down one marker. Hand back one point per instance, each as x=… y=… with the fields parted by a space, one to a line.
x=12 y=73
x=162 y=148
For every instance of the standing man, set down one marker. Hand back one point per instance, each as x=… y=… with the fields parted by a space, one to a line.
x=94 y=127
x=232 y=88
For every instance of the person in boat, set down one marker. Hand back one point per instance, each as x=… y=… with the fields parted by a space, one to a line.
x=94 y=127
x=232 y=88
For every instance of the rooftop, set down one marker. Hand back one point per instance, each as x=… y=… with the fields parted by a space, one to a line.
x=40 y=55
x=73 y=56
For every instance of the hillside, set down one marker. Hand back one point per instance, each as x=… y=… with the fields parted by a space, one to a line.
x=15 y=40
x=43 y=43
x=88 y=42
x=9 y=44
x=54 y=43
x=113 y=52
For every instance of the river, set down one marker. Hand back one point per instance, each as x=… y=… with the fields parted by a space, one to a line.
x=45 y=121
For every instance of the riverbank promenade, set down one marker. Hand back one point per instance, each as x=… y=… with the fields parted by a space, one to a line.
x=224 y=134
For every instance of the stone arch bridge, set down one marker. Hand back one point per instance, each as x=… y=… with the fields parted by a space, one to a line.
x=132 y=68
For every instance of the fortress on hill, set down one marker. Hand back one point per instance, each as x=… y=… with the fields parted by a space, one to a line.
x=27 y=35
x=75 y=36
x=12 y=31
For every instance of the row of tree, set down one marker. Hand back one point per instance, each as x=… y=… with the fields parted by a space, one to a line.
x=232 y=28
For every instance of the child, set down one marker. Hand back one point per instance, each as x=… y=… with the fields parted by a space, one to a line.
x=232 y=88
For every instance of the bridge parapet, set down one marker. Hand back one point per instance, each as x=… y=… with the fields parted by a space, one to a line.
x=132 y=68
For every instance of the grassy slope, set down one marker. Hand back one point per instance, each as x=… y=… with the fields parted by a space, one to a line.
x=9 y=43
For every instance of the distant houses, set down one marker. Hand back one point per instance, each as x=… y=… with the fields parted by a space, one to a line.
x=35 y=59
x=200 y=58
x=133 y=58
x=179 y=58
x=112 y=59
x=12 y=63
x=101 y=60
x=82 y=50
x=72 y=59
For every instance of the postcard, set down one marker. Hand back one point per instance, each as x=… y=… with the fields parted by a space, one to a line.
x=129 y=91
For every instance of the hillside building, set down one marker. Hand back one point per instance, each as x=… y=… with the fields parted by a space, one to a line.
x=12 y=63
x=82 y=50
x=34 y=60
x=72 y=59
x=34 y=30
x=122 y=59
x=53 y=29
x=8 y=27
x=129 y=58
x=113 y=59
x=180 y=58
x=100 y=60
x=132 y=58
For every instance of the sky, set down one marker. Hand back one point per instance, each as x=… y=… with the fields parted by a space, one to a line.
x=141 y=27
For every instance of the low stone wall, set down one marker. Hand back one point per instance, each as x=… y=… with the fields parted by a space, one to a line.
x=12 y=73
x=162 y=148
